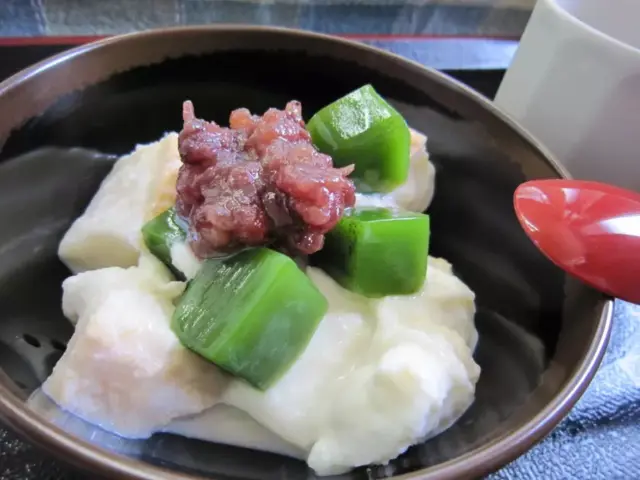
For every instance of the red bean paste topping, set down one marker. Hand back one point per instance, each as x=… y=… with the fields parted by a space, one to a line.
x=259 y=182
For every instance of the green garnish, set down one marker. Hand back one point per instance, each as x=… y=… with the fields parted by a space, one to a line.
x=361 y=128
x=161 y=233
x=252 y=314
x=377 y=252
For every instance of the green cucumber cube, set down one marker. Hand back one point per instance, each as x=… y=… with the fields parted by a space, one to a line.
x=252 y=314
x=361 y=128
x=160 y=233
x=377 y=252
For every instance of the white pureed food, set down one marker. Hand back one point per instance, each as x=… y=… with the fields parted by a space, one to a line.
x=124 y=369
x=374 y=379
x=378 y=376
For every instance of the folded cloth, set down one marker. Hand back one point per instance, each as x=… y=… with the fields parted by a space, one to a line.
x=600 y=438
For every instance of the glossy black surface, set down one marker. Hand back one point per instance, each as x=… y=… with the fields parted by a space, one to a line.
x=523 y=301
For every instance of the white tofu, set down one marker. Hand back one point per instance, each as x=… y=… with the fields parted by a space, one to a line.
x=139 y=186
x=221 y=423
x=377 y=377
x=231 y=426
x=448 y=301
x=124 y=369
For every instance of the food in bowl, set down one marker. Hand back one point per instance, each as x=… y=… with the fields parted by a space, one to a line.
x=275 y=268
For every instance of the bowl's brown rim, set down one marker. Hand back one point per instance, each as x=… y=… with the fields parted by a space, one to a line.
x=477 y=462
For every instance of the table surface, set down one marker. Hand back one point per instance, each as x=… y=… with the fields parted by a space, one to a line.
x=599 y=439
x=389 y=17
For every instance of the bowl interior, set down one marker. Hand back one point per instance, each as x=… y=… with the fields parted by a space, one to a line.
x=527 y=308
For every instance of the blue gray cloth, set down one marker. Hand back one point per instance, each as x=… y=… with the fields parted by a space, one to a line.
x=600 y=438
x=368 y=17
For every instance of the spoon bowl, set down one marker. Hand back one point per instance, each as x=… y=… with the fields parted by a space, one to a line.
x=589 y=229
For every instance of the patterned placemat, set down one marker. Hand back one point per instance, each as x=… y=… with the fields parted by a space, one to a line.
x=379 y=17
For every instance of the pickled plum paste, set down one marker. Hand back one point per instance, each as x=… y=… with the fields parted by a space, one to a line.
x=260 y=181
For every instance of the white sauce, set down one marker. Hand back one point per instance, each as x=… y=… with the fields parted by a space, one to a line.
x=378 y=376
x=229 y=425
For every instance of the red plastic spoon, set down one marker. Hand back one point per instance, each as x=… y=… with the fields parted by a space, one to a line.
x=589 y=229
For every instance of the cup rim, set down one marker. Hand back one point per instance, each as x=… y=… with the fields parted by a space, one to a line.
x=561 y=11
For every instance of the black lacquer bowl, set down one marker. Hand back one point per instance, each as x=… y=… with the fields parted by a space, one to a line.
x=542 y=334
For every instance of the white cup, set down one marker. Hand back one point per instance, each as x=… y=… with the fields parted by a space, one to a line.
x=574 y=83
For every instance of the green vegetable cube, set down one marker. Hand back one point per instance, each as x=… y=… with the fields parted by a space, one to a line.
x=361 y=128
x=252 y=314
x=161 y=232
x=377 y=252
